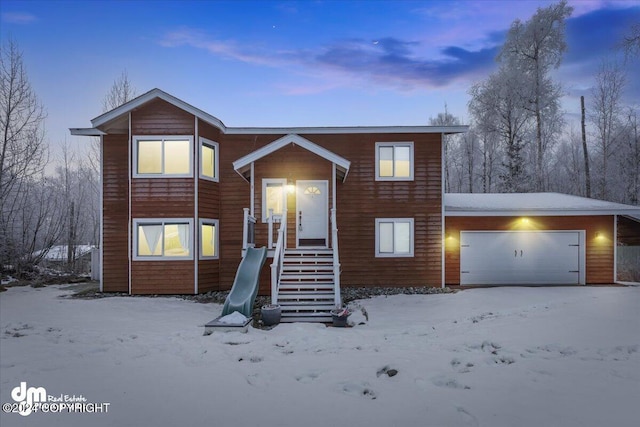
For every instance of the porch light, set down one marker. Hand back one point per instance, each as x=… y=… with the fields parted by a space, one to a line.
x=525 y=221
x=291 y=188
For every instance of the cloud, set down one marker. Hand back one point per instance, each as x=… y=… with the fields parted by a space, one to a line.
x=21 y=18
x=388 y=60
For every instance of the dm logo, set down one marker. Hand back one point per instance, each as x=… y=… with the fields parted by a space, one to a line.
x=28 y=396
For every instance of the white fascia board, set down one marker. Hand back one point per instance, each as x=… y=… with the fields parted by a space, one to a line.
x=535 y=212
x=346 y=130
x=279 y=143
x=149 y=96
x=86 y=132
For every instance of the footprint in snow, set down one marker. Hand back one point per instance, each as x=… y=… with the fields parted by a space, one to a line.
x=448 y=382
x=362 y=390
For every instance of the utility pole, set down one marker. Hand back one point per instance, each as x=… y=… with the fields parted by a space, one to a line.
x=587 y=175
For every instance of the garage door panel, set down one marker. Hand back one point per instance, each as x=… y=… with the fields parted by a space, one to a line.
x=500 y=258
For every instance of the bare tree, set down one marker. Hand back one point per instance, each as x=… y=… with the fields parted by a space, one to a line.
x=585 y=152
x=537 y=46
x=121 y=91
x=631 y=41
x=606 y=110
x=446 y=119
x=23 y=156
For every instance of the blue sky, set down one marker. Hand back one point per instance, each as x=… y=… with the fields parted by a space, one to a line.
x=285 y=63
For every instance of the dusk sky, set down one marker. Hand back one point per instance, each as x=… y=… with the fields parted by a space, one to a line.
x=285 y=63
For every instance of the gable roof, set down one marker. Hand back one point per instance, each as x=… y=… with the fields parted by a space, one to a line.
x=243 y=164
x=101 y=123
x=531 y=204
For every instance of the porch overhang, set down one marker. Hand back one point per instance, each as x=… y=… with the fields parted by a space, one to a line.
x=243 y=165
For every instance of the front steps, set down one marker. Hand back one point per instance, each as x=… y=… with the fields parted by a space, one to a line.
x=307 y=285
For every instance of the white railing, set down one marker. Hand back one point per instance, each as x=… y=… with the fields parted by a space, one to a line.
x=278 y=257
x=248 y=231
x=336 y=257
x=273 y=219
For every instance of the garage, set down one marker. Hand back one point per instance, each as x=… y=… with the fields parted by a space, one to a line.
x=521 y=258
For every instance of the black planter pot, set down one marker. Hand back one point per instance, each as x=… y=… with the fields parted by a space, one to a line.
x=339 y=321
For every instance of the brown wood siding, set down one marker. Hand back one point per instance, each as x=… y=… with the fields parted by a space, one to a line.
x=162 y=198
x=208 y=275
x=599 y=251
x=115 y=191
x=162 y=277
x=158 y=117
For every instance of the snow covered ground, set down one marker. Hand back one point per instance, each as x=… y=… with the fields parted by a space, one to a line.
x=563 y=356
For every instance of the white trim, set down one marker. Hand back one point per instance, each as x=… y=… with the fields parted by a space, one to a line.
x=196 y=161
x=299 y=185
x=162 y=138
x=615 y=248
x=216 y=159
x=101 y=193
x=163 y=222
x=130 y=171
x=216 y=243
x=86 y=132
x=252 y=184
x=534 y=212
x=150 y=96
x=379 y=254
x=319 y=130
x=443 y=241
x=394 y=144
x=243 y=162
x=265 y=181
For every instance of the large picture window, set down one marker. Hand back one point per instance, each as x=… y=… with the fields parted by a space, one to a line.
x=208 y=159
x=156 y=156
x=394 y=161
x=209 y=239
x=163 y=239
x=274 y=196
x=394 y=237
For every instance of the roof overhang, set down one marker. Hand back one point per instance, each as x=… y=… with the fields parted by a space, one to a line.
x=531 y=204
x=112 y=116
x=86 y=132
x=243 y=164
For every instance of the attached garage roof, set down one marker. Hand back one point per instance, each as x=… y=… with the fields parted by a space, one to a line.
x=531 y=204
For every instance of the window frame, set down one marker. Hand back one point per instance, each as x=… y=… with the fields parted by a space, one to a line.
x=216 y=159
x=395 y=254
x=161 y=221
x=163 y=138
x=265 y=182
x=216 y=240
x=394 y=145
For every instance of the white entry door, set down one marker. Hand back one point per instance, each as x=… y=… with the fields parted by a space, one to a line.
x=520 y=258
x=312 y=213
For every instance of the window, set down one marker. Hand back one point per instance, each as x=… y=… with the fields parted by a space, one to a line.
x=208 y=159
x=162 y=239
x=394 y=161
x=156 y=156
x=274 y=196
x=394 y=237
x=209 y=239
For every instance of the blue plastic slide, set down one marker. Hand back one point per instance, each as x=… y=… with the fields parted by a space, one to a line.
x=245 y=286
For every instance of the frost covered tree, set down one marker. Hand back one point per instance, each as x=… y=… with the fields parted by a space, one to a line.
x=497 y=110
x=449 y=142
x=631 y=41
x=535 y=48
x=605 y=115
x=121 y=92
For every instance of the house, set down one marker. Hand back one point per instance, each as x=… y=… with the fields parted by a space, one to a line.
x=57 y=257
x=183 y=196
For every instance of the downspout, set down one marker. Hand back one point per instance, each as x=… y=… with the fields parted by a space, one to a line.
x=196 y=218
x=101 y=253
x=615 y=248
x=129 y=242
x=442 y=213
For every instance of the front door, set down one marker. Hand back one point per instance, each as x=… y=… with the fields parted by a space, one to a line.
x=312 y=213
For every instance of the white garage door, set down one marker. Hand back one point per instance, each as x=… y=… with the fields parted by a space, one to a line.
x=520 y=257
